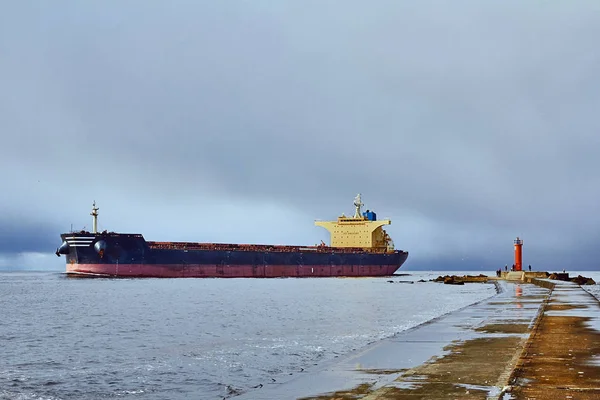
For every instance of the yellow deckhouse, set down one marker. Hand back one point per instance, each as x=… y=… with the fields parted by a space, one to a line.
x=361 y=231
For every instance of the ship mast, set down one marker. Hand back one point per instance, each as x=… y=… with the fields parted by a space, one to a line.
x=358 y=204
x=94 y=215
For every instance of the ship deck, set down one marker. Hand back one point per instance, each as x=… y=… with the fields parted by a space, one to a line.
x=259 y=247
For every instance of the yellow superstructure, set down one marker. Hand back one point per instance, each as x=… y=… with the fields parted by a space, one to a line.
x=362 y=230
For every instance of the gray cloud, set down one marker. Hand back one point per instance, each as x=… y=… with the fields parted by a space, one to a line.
x=21 y=236
x=468 y=123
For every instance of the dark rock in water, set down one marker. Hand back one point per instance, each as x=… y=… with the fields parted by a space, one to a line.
x=236 y=392
x=559 y=276
x=421 y=280
x=582 y=280
x=460 y=280
x=451 y=280
x=391 y=281
x=564 y=276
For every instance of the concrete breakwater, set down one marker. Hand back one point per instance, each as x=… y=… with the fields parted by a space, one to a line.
x=548 y=354
x=561 y=357
x=538 y=338
x=515 y=275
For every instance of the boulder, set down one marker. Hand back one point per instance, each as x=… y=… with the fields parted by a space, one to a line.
x=582 y=280
x=451 y=280
x=559 y=276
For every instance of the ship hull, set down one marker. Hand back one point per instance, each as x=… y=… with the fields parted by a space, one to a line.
x=228 y=271
x=129 y=255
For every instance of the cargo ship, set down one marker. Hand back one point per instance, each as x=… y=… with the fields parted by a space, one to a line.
x=359 y=247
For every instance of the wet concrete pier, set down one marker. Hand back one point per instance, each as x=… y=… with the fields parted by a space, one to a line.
x=562 y=356
x=538 y=340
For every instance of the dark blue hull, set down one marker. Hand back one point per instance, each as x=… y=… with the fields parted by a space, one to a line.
x=112 y=254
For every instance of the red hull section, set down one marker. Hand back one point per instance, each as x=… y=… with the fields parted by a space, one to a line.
x=229 y=271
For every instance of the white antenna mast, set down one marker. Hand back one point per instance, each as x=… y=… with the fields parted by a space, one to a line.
x=94 y=215
x=358 y=204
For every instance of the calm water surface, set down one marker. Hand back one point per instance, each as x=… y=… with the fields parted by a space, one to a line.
x=65 y=338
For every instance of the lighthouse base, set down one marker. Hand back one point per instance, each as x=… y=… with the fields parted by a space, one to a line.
x=515 y=276
x=523 y=275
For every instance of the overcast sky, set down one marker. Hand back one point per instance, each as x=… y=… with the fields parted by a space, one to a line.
x=467 y=123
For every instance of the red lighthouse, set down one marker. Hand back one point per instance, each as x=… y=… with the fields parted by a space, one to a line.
x=518 y=254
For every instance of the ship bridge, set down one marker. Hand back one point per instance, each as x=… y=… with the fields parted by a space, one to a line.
x=361 y=230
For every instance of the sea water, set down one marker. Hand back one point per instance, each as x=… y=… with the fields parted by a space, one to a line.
x=73 y=338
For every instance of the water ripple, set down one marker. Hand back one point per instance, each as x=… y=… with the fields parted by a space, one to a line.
x=194 y=338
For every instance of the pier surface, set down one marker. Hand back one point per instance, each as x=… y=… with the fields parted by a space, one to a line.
x=536 y=340
x=562 y=357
